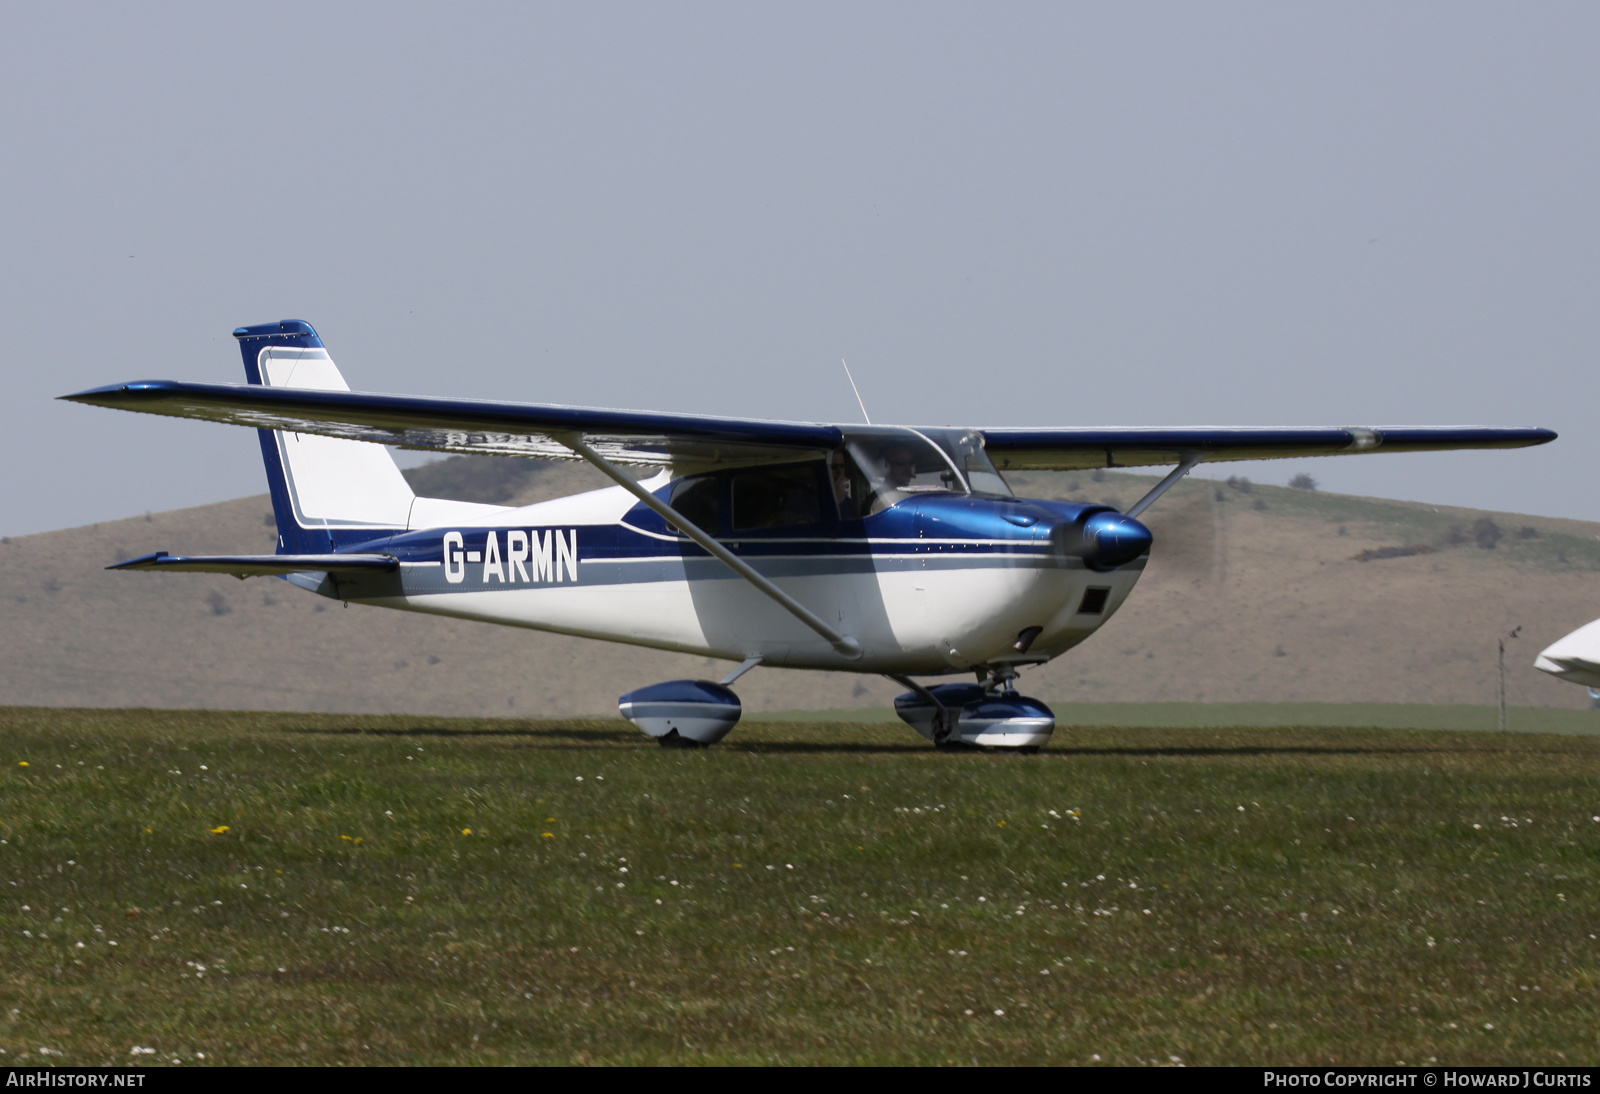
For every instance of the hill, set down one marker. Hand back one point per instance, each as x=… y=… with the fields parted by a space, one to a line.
x=1253 y=594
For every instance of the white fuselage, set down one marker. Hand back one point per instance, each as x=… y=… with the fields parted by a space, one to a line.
x=912 y=605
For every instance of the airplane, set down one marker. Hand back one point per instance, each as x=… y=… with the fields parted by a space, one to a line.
x=892 y=550
x=1575 y=658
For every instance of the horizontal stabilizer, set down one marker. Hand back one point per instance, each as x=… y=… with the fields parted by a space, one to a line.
x=242 y=566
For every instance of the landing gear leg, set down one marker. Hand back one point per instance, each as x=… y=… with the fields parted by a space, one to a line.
x=944 y=732
x=944 y=719
x=1001 y=681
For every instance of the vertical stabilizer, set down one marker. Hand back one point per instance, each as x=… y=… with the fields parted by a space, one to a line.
x=326 y=492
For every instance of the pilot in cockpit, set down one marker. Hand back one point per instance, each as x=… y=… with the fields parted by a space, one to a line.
x=902 y=466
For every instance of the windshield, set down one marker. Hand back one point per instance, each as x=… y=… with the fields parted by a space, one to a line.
x=965 y=447
x=881 y=466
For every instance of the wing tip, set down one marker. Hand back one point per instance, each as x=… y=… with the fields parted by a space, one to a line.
x=141 y=563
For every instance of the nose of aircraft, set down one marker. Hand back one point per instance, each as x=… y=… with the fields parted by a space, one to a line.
x=1102 y=537
x=1111 y=540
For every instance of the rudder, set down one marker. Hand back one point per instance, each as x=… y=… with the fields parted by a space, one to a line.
x=326 y=492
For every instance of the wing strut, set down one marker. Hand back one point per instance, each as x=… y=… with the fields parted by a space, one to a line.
x=1186 y=465
x=842 y=643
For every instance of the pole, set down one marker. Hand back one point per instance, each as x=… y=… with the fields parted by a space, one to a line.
x=1502 y=645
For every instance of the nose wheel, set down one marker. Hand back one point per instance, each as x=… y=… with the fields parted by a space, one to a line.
x=989 y=714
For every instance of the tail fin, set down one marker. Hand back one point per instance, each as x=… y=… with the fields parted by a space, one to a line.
x=326 y=492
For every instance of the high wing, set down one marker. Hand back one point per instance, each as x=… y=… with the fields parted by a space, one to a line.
x=1076 y=449
x=468 y=426
x=642 y=437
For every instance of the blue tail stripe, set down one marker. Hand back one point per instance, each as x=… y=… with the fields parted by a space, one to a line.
x=298 y=334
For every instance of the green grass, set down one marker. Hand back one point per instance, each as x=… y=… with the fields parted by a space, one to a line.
x=843 y=894
x=1519 y=719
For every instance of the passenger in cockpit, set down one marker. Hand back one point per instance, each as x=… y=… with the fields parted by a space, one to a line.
x=841 y=487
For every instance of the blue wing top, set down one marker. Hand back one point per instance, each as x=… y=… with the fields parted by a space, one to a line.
x=632 y=436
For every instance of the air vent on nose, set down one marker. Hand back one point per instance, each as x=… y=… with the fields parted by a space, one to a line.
x=1094 y=601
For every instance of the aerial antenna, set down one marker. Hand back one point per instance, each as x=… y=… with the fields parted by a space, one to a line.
x=867 y=417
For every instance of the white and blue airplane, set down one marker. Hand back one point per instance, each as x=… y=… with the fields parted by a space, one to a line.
x=1575 y=658
x=890 y=550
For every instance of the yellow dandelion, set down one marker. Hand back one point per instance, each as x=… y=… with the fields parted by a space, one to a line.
x=549 y=820
x=149 y=830
x=215 y=831
x=1002 y=824
x=357 y=841
x=738 y=866
x=22 y=763
x=344 y=837
x=548 y=835
x=466 y=831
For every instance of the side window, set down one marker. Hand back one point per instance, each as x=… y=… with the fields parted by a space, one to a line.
x=775 y=497
x=700 y=500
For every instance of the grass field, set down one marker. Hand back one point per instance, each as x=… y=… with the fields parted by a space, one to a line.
x=1519 y=719
x=265 y=888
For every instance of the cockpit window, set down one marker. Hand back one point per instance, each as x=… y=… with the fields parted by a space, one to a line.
x=699 y=499
x=776 y=497
x=887 y=465
x=882 y=465
x=966 y=446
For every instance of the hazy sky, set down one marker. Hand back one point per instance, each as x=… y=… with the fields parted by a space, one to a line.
x=1091 y=214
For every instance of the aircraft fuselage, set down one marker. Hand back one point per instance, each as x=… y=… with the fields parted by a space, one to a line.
x=936 y=583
